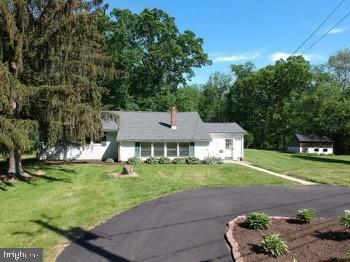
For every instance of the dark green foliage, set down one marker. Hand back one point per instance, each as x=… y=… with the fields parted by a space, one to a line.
x=274 y=245
x=192 y=160
x=345 y=219
x=179 y=160
x=212 y=160
x=164 y=160
x=152 y=160
x=51 y=55
x=258 y=220
x=134 y=161
x=152 y=58
x=248 y=139
x=306 y=216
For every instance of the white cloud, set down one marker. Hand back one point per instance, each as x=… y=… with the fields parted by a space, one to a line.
x=337 y=30
x=283 y=55
x=220 y=58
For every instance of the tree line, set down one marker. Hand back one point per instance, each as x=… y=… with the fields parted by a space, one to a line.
x=63 y=62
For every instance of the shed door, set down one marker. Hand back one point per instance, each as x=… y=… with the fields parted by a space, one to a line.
x=228 y=148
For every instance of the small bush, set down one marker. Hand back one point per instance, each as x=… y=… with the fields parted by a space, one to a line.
x=212 y=160
x=258 y=220
x=109 y=161
x=152 y=160
x=345 y=219
x=134 y=161
x=192 y=160
x=164 y=160
x=306 y=216
x=179 y=160
x=274 y=245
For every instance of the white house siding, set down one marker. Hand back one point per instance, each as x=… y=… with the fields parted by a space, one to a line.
x=311 y=150
x=126 y=150
x=201 y=149
x=94 y=151
x=217 y=146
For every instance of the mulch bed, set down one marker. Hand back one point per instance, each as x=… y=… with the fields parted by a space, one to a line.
x=322 y=240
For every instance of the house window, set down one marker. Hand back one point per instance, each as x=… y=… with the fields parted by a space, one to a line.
x=137 y=149
x=146 y=149
x=171 y=149
x=184 y=149
x=228 y=143
x=158 y=149
x=325 y=150
x=316 y=149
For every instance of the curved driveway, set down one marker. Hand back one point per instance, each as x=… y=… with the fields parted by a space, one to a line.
x=190 y=225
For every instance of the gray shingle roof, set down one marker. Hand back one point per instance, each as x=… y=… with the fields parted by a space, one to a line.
x=313 y=138
x=224 y=128
x=155 y=126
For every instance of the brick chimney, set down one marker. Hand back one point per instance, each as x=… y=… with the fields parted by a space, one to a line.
x=173 y=118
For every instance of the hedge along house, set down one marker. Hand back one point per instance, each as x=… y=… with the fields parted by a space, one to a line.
x=158 y=134
x=312 y=144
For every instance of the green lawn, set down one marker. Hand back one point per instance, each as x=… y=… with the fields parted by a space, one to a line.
x=334 y=170
x=73 y=196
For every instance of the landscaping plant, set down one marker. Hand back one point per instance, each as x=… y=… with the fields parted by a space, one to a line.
x=109 y=161
x=134 y=161
x=152 y=160
x=179 y=160
x=212 y=160
x=192 y=160
x=274 y=245
x=164 y=160
x=258 y=220
x=345 y=219
x=306 y=216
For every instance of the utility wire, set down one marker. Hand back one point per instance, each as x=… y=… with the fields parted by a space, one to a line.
x=325 y=34
x=314 y=32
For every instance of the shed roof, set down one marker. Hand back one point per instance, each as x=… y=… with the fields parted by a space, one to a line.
x=313 y=138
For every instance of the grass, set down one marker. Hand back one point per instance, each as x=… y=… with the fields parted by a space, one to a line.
x=70 y=198
x=333 y=170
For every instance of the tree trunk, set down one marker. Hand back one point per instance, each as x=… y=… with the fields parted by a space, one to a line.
x=18 y=163
x=11 y=173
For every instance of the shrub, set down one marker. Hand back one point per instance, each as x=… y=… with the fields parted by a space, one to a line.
x=109 y=161
x=274 y=245
x=258 y=220
x=152 y=160
x=164 y=160
x=345 y=219
x=179 y=160
x=306 y=215
x=134 y=160
x=192 y=160
x=212 y=160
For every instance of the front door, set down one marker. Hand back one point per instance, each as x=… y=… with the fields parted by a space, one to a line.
x=228 y=148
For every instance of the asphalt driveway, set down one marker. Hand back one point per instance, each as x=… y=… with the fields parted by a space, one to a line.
x=190 y=225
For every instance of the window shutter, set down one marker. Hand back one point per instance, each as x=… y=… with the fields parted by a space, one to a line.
x=191 y=148
x=137 y=149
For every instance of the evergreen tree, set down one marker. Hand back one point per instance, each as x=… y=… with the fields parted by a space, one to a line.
x=51 y=54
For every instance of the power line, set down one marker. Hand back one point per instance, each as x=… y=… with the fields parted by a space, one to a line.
x=314 y=32
x=324 y=35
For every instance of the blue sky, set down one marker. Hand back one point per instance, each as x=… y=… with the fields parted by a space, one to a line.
x=237 y=31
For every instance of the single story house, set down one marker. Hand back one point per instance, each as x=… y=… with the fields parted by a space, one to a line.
x=314 y=144
x=159 y=134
